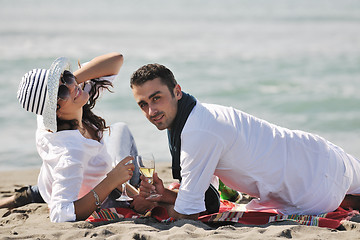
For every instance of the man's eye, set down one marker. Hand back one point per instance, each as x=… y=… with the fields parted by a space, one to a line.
x=156 y=98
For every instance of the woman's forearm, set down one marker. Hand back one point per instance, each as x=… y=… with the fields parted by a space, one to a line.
x=104 y=65
x=86 y=205
x=118 y=175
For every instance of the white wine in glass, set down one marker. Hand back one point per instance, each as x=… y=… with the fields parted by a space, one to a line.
x=146 y=163
x=148 y=173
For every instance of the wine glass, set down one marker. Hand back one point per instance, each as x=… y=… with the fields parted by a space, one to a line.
x=146 y=163
x=124 y=196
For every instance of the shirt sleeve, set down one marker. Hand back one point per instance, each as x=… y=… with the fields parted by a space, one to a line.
x=200 y=153
x=68 y=176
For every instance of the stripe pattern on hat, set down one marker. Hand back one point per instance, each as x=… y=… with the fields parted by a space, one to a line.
x=33 y=90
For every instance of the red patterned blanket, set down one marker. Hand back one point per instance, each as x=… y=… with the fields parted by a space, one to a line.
x=229 y=212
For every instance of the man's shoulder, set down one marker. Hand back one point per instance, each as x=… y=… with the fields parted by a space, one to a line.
x=212 y=107
x=199 y=113
x=207 y=116
x=209 y=111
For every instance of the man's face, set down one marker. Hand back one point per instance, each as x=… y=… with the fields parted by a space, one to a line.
x=157 y=103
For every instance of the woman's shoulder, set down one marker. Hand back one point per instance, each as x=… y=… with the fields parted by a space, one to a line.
x=63 y=138
x=68 y=143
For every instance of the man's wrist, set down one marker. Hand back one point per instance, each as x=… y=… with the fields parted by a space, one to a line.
x=168 y=196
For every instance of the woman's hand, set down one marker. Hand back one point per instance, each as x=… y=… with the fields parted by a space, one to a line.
x=122 y=172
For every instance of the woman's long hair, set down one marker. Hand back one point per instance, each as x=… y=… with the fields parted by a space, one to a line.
x=97 y=123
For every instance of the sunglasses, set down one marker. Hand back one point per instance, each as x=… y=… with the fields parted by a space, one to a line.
x=67 y=79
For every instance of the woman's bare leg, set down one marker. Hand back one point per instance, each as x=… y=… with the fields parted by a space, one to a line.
x=8 y=202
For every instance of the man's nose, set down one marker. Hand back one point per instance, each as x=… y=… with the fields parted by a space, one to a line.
x=152 y=110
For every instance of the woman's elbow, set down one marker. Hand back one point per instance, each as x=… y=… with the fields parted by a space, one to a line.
x=116 y=60
x=62 y=214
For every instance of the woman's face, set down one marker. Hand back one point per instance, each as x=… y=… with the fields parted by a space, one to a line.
x=70 y=107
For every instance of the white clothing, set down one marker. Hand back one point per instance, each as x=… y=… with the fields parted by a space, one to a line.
x=293 y=171
x=73 y=165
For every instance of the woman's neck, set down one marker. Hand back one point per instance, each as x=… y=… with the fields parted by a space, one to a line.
x=87 y=131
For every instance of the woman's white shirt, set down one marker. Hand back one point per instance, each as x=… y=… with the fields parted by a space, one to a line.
x=72 y=166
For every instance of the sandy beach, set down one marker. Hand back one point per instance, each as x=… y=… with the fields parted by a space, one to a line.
x=32 y=222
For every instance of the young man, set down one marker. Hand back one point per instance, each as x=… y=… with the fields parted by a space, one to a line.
x=294 y=172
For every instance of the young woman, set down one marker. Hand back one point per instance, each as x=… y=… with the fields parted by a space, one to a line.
x=79 y=170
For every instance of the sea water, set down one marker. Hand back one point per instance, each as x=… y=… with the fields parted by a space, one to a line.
x=293 y=63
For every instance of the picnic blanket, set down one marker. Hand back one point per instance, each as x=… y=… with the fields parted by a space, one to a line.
x=229 y=213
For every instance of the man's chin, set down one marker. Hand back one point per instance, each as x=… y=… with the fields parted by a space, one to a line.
x=160 y=126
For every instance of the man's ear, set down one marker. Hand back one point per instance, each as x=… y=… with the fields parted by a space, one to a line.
x=178 y=92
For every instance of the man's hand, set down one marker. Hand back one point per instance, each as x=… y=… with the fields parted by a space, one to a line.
x=146 y=187
x=141 y=205
x=167 y=198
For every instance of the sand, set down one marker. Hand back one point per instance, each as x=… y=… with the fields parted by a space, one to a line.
x=32 y=222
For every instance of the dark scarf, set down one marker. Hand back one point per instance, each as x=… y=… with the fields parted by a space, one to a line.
x=185 y=106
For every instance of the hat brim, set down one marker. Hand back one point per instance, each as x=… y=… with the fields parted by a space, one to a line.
x=49 y=115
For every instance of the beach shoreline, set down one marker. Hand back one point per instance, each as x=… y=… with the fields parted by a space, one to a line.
x=32 y=222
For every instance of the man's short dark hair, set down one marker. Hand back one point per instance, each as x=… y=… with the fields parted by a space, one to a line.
x=150 y=72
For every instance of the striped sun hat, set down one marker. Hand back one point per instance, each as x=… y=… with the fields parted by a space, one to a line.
x=38 y=91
